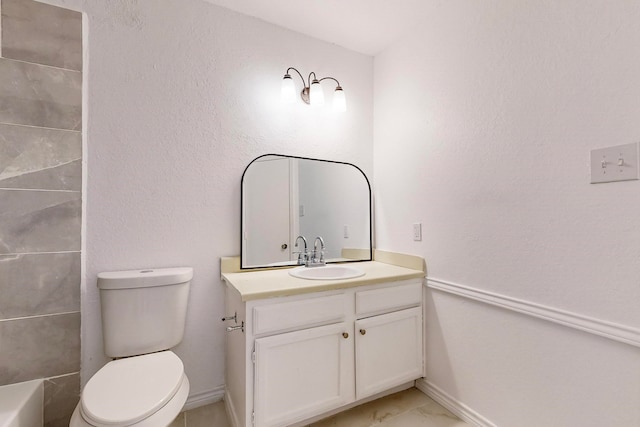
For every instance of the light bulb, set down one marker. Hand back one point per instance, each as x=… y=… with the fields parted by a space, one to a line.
x=316 y=94
x=339 y=101
x=288 y=93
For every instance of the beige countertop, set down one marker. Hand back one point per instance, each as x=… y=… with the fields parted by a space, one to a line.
x=264 y=283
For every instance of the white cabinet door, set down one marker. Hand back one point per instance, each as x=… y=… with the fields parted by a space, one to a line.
x=388 y=351
x=302 y=374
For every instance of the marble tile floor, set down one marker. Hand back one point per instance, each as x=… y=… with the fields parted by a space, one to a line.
x=408 y=408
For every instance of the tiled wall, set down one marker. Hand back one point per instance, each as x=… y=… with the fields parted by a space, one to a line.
x=40 y=200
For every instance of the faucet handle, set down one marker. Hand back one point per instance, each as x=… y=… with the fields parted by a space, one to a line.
x=302 y=256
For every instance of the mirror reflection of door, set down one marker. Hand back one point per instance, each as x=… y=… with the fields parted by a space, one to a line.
x=267 y=204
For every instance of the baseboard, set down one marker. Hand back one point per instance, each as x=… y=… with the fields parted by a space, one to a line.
x=204 y=398
x=463 y=412
x=230 y=408
x=603 y=328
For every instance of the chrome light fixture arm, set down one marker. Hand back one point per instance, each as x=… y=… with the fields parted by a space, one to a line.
x=312 y=85
x=301 y=78
x=330 y=78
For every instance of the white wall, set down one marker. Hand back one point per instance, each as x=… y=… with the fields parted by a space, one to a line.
x=483 y=121
x=182 y=95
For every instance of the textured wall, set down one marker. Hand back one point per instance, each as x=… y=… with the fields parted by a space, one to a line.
x=40 y=201
x=181 y=97
x=485 y=116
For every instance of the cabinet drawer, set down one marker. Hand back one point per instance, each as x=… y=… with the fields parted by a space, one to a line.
x=298 y=314
x=388 y=299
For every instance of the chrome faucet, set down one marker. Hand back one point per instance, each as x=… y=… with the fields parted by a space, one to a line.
x=316 y=260
x=303 y=256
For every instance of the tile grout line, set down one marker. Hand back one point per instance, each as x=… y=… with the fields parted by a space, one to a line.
x=40 y=189
x=44 y=65
x=39 y=253
x=37 y=316
x=40 y=127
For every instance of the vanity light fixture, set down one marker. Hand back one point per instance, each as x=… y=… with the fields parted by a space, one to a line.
x=312 y=91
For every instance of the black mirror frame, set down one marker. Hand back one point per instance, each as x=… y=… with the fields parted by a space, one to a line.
x=304 y=158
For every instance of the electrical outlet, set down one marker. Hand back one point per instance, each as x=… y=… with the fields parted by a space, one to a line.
x=345 y=232
x=417 y=232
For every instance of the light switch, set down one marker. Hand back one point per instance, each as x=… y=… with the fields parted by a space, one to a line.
x=619 y=163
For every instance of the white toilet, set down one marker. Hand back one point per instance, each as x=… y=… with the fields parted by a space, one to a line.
x=143 y=316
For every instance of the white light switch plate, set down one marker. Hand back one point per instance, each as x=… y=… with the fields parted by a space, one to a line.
x=619 y=163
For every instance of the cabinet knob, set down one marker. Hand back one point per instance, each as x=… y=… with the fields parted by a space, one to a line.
x=345 y=335
x=284 y=246
x=363 y=331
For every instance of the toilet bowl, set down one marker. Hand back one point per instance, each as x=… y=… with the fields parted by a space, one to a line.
x=143 y=317
x=141 y=391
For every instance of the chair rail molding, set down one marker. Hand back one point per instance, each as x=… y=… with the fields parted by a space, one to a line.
x=621 y=333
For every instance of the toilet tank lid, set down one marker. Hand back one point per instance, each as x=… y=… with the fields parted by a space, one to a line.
x=144 y=278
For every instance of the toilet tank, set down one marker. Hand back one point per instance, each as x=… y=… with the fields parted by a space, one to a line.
x=143 y=311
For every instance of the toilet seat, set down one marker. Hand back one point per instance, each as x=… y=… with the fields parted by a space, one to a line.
x=162 y=418
x=127 y=391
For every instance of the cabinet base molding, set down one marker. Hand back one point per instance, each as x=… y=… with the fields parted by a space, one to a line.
x=461 y=410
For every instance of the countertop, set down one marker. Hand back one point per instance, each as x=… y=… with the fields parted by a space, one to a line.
x=260 y=284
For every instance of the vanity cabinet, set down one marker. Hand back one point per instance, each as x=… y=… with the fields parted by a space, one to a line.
x=305 y=355
x=303 y=372
x=388 y=351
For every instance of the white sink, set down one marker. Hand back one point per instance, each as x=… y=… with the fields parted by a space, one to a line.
x=327 y=272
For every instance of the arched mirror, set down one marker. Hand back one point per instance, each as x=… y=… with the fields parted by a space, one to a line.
x=284 y=197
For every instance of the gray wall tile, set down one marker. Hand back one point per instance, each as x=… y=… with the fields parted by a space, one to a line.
x=37 y=95
x=61 y=395
x=40 y=158
x=41 y=33
x=39 y=347
x=32 y=158
x=39 y=284
x=39 y=221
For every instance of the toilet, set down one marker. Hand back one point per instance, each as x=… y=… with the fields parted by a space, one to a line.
x=143 y=317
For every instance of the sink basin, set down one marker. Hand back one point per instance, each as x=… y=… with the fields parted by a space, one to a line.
x=327 y=272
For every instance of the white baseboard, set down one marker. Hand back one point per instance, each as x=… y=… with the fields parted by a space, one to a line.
x=463 y=412
x=232 y=415
x=613 y=331
x=197 y=400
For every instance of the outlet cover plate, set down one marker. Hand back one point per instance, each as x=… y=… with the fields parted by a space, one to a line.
x=619 y=163
x=417 y=231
